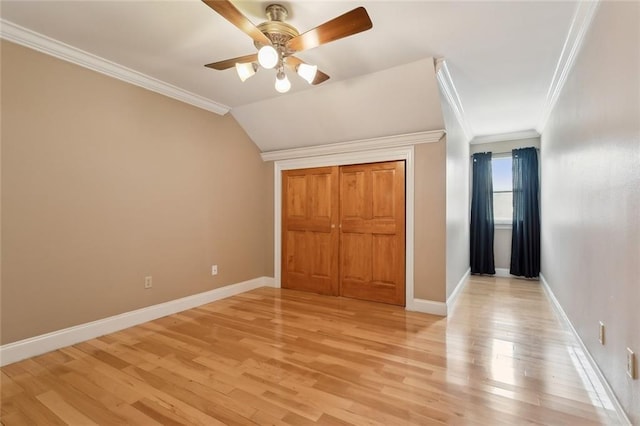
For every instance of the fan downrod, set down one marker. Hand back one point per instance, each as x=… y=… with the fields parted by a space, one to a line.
x=277 y=12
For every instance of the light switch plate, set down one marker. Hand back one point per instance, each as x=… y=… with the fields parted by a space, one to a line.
x=601 y=333
x=631 y=363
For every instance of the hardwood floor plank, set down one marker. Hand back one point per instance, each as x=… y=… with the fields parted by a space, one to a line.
x=282 y=357
x=62 y=409
x=8 y=386
x=23 y=406
x=349 y=417
x=159 y=413
x=15 y=418
x=265 y=408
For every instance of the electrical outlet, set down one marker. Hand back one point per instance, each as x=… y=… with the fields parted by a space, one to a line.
x=631 y=363
x=601 y=333
x=214 y=270
x=148 y=282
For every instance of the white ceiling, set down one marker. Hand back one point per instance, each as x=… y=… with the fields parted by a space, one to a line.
x=501 y=55
x=396 y=101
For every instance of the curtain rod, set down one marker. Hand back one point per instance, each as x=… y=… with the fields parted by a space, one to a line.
x=503 y=152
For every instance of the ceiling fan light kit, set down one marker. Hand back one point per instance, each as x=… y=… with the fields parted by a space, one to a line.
x=278 y=41
x=282 y=82
x=307 y=72
x=268 y=57
x=246 y=70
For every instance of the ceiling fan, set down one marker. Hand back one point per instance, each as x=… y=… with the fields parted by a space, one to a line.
x=278 y=41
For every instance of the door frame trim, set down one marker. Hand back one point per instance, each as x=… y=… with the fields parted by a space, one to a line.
x=405 y=153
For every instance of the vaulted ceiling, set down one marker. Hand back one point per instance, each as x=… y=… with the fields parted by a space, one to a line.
x=501 y=55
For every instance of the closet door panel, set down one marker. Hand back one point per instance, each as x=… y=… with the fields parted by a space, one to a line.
x=372 y=233
x=310 y=237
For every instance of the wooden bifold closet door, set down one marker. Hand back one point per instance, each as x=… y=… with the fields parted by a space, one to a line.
x=310 y=237
x=343 y=231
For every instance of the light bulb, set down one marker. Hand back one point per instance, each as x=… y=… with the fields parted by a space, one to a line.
x=246 y=70
x=268 y=57
x=282 y=83
x=307 y=72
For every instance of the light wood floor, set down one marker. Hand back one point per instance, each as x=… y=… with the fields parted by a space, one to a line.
x=284 y=357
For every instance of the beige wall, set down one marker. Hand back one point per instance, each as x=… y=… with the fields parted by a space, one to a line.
x=430 y=221
x=104 y=183
x=457 y=200
x=591 y=195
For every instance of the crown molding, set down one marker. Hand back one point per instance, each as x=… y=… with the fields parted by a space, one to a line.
x=25 y=37
x=577 y=31
x=451 y=95
x=355 y=146
x=511 y=136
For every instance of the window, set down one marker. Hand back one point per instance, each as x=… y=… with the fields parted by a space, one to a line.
x=502 y=189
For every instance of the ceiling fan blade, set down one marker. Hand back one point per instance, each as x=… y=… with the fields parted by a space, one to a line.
x=230 y=63
x=350 y=23
x=320 y=78
x=229 y=12
x=292 y=62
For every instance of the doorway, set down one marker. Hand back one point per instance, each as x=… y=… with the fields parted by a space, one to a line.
x=343 y=231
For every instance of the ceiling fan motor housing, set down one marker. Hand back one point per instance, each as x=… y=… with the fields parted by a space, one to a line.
x=278 y=31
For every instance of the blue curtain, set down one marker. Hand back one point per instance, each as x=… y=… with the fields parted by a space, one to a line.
x=525 y=237
x=482 y=261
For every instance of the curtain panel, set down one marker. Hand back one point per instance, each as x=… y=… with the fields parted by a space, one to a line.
x=525 y=236
x=481 y=250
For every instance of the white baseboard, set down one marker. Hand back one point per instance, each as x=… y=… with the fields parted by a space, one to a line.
x=622 y=417
x=16 y=351
x=438 y=308
x=427 y=307
x=503 y=272
x=456 y=291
